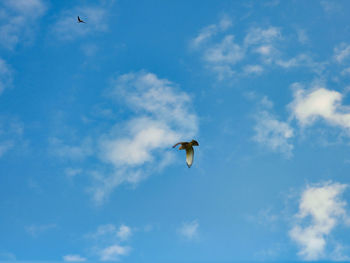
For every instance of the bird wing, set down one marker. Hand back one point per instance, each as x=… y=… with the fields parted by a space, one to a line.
x=189 y=156
x=177 y=144
x=81 y=21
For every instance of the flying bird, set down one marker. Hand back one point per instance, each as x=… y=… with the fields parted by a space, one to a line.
x=189 y=150
x=80 y=21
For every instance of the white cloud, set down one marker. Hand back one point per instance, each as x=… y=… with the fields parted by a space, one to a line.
x=321 y=203
x=319 y=102
x=139 y=147
x=147 y=135
x=66 y=28
x=341 y=52
x=5 y=76
x=211 y=30
x=113 y=253
x=18 y=20
x=74 y=258
x=189 y=230
x=272 y=133
x=124 y=232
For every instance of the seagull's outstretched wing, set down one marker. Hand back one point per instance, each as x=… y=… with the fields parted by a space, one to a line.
x=189 y=156
x=177 y=144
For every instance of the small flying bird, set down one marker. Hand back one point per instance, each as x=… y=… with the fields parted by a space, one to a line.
x=189 y=150
x=80 y=21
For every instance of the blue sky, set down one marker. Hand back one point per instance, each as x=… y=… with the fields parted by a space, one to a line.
x=89 y=112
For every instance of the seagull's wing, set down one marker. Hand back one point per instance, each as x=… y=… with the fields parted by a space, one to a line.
x=189 y=156
x=177 y=144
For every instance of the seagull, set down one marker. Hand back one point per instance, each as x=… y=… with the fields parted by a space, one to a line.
x=189 y=150
x=80 y=21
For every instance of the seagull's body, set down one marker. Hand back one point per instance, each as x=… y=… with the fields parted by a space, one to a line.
x=80 y=21
x=188 y=146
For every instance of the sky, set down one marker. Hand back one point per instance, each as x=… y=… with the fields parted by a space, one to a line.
x=89 y=114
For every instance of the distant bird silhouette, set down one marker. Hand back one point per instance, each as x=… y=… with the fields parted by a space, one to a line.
x=189 y=150
x=80 y=21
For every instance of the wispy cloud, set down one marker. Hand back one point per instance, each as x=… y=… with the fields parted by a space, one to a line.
x=104 y=230
x=259 y=36
x=74 y=152
x=303 y=37
x=211 y=30
x=345 y=72
x=226 y=52
x=224 y=55
x=11 y=133
x=74 y=258
x=35 y=230
x=7 y=256
x=18 y=19
x=331 y=7
x=124 y=232
x=253 y=69
x=322 y=203
x=72 y=172
x=272 y=133
x=5 y=146
x=109 y=239
x=302 y=60
x=189 y=230
x=113 y=253
x=89 y=49
x=341 y=52
x=5 y=76
x=259 y=50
